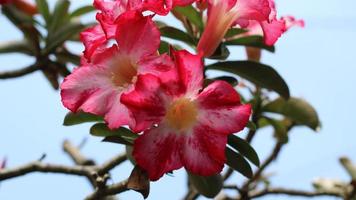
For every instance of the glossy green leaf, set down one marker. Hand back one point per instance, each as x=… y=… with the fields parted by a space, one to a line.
x=251 y=41
x=163 y=47
x=43 y=9
x=82 y=11
x=192 y=15
x=244 y=148
x=238 y=162
x=221 y=53
x=260 y=74
x=234 y=31
x=252 y=126
x=59 y=16
x=101 y=130
x=15 y=47
x=298 y=110
x=208 y=186
x=176 y=34
x=79 y=118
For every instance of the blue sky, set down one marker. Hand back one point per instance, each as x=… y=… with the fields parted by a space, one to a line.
x=317 y=62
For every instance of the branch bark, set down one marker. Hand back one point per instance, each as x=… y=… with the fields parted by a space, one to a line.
x=108 y=190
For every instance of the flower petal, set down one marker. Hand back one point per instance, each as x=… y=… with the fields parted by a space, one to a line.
x=190 y=71
x=161 y=66
x=254 y=9
x=92 y=38
x=137 y=36
x=203 y=152
x=220 y=109
x=145 y=102
x=273 y=30
x=87 y=89
x=157 y=151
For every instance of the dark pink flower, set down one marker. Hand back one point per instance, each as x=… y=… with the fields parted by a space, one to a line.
x=110 y=10
x=222 y=14
x=189 y=124
x=96 y=86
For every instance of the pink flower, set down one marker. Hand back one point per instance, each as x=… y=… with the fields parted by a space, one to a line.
x=273 y=28
x=189 y=124
x=222 y=14
x=110 y=10
x=96 y=87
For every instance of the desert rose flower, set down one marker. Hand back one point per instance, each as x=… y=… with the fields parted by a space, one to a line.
x=190 y=124
x=22 y=5
x=110 y=10
x=96 y=86
x=222 y=14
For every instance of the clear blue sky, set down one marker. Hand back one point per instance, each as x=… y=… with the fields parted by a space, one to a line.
x=317 y=62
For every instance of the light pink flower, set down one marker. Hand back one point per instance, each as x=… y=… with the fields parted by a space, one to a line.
x=96 y=86
x=222 y=14
x=189 y=124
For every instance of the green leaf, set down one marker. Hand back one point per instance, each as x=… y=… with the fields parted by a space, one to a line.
x=82 y=11
x=234 y=31
x=252 y=126
x=66 y=56
x=238 y=162
x=280 y=129
x=15 y=47
x=59 y=16
x=221 y=53
x=25 y=23
x=208 y=186
x=163 y=47
x=101 y=130
x=63 y=34
x=129 y=150
x=251 y=41
x=176 y=34
x=79 y=118
x=192 y=15
x=42 y=6
x=298 y=110
x=244 y=148
x=260 y=74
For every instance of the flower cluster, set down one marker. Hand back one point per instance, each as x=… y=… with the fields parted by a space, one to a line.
x=161 y=97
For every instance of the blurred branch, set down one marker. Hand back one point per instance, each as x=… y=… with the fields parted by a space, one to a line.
x=37 y=166
x=265 y=164
x=19 y=72
x=291 y=192
x=108 y=190
x=75 y=154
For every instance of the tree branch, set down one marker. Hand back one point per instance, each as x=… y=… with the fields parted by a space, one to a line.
x=37 y=166
x=108 y=190
x=291 y=192
x=112 y=163
x=19 y=72
x=75 y=154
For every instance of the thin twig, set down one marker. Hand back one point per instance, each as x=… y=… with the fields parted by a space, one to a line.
x=108 y=190
x=265 y=164
x=291 y=192
x=19 y=72
x=112 y=163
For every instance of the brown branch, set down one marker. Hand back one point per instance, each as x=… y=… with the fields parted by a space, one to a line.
x=108 y=191
x=75 y=154
x=291 y=192
x=112 y=163
x=37 y=166
x=265 y=164
x=19 y=72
